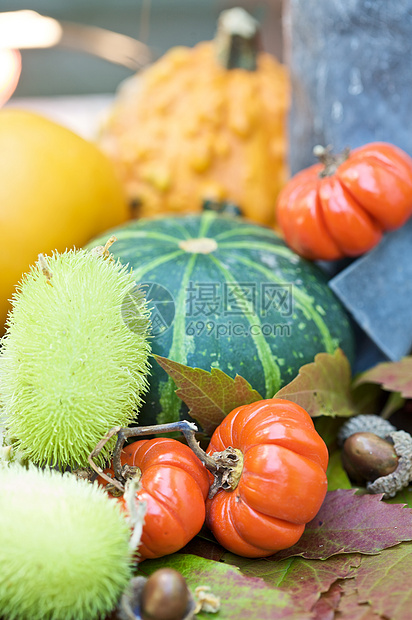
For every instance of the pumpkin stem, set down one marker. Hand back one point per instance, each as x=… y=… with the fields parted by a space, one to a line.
x=226 y=466
x=123 y=433
x=329 y=160
x=237 y=40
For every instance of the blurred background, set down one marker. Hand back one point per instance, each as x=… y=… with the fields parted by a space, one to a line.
x=161 y=24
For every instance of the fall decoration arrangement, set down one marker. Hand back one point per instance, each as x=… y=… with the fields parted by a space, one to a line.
x=181 y=428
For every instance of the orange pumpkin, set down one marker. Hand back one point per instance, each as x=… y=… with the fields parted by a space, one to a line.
x=343 y=205
x=204 y=123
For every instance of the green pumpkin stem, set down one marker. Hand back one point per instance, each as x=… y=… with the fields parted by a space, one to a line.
x=237 y=40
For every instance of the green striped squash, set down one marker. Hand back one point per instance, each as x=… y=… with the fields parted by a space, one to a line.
x=228 y=294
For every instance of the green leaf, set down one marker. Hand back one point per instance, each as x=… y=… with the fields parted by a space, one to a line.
x=337 y=476
x=328 y=429
x=323 y=387
x=367 y=397
x=392 y=376
x=241 y=596
x=404 y=496
x=210 y=396
x=394 y=402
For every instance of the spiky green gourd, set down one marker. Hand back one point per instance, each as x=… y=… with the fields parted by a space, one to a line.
x=70 y=368
x=64 y=547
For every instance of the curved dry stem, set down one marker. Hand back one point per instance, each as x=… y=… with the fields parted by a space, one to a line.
x=226 y=466
x=330 y=161
x=123 y=433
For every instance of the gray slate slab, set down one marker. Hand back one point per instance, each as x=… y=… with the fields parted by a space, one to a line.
x=351 y=69
x=376 y=289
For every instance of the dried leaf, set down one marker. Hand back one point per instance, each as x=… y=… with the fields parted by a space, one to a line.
x=323 y=387
x=392 y=376
x=241 y=596
x=383 y=581
x=350 y=523
x=210 y=396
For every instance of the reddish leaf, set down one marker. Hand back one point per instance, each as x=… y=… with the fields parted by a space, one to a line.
x=384 y=582
x=349 y=523
x=210 y=396
x=304 y=579
x=323 y=387
x=327 y=604
x=392 y=376
x=350 y=606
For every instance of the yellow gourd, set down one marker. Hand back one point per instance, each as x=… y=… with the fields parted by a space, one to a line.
x=57 y=191
x=204 y=123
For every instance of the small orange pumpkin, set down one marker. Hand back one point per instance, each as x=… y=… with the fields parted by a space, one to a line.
x=204 y=123
x=343 y=205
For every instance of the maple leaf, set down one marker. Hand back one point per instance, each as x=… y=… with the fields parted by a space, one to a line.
x=210 y=396
x=322 y=387
x=350 y=523
x=392 y=376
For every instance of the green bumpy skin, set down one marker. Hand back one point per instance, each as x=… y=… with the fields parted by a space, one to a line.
x=64 y=547
x=70 y=367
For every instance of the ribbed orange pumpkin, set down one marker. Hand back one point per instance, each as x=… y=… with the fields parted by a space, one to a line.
x=204 y=123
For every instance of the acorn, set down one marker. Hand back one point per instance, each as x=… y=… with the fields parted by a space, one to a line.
x=71 y=368
x=366 y=457
x=376 y=453
x=162 y=596
x=165 y=596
